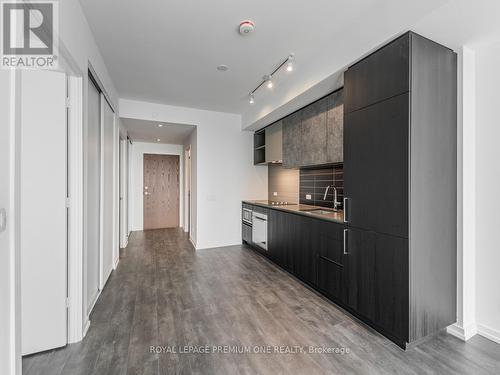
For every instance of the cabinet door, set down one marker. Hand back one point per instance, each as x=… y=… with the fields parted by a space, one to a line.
x=332 y=270
x=305 y=248
x=378 y=280
x=292 y=139
x=335 y=127
x=381 y=75
x=376 y=168
x=274 y=142
x=246 y=233
x=314 y=134
x=275 y=235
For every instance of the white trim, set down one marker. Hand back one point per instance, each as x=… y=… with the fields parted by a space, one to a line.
x=102 y=280
x=116 y=192
x=193 y=243
x=463 y=334
x=86 y=326
x=490 y=333
x=75 y=225
x=13 y=226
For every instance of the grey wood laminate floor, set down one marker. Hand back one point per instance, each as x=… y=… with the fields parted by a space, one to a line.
x=166 y=294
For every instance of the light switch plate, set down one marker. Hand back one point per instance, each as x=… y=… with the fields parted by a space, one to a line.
x=308 y=197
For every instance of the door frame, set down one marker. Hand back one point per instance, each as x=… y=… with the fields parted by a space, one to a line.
x=187 y=190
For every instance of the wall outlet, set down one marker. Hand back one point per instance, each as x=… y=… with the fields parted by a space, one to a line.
x=308 y=197
x=275 y=193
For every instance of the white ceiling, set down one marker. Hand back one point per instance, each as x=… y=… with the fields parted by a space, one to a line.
x=167 y=51
x=149 y=131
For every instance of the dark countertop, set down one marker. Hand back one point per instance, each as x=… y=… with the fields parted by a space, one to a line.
x=302 y=209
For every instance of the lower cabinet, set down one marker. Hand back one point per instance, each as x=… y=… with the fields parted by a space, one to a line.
x=332 y=270
x=246 y=233
x=293 y=244
x=378 y=280
x=365 y=272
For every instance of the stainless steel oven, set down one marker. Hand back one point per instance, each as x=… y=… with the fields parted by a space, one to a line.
x=259 y=230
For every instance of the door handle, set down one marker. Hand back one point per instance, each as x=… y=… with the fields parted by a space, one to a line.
x=346 y=231
x=346 y=220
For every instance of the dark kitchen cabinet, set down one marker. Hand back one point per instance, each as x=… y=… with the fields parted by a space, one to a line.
x=246 y=232
x=332 y=270
x=305 y=249
x=400 y=186
x=335 y=127
x=314 y=134
x=379 y=76
x=377 y=271
x=376 y=166
x=292 y=140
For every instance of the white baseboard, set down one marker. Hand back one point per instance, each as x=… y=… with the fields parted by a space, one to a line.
x=462 y=333
x=115 y=264
x=86 y=327
x=193 y=243
x=489 y=333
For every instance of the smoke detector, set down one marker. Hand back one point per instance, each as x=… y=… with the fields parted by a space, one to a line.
x=246 y=27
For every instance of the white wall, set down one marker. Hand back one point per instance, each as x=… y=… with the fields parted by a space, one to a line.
x=78 y=49
x=77 y=40
x=487 y=191
x=225 y=174
x=137 y=178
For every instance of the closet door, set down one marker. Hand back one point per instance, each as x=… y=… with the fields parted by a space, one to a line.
x=43 y=217
x=107 y=197
x=93 y=195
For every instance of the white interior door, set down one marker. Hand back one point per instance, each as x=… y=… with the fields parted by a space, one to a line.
x=107 y=197
x=43 y=215
x=92 y=195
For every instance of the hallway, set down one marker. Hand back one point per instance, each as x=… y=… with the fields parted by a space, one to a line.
x=164 y=293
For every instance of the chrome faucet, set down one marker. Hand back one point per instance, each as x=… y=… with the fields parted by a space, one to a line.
x=326 y=191
x=336 y=203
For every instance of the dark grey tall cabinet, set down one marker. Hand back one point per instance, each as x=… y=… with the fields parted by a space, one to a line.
x=400 y=181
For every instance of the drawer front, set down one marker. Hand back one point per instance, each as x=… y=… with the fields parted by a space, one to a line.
x=381 y=75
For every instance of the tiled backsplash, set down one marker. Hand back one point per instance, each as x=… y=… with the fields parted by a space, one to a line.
x=314 y=182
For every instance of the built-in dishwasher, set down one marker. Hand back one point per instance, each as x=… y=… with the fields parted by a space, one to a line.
x=259 y=229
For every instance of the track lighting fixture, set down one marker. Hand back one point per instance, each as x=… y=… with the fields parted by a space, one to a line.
x=268 y=78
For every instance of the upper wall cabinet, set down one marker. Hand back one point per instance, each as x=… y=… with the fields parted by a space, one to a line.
x=383 y=74
x=335 y=127
x=292 y=140
x=314 y=134
x=274 y=142
x=268 y=144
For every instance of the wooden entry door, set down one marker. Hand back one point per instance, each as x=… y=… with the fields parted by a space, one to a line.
x=161 y=191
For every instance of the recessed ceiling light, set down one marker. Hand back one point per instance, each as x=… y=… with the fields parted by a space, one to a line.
x=158 y=139
x=252 y=98
x=160 y=125
x=222 y=68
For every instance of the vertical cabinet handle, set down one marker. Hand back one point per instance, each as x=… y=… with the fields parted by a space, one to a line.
x=346 y=231
x=346 y=220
